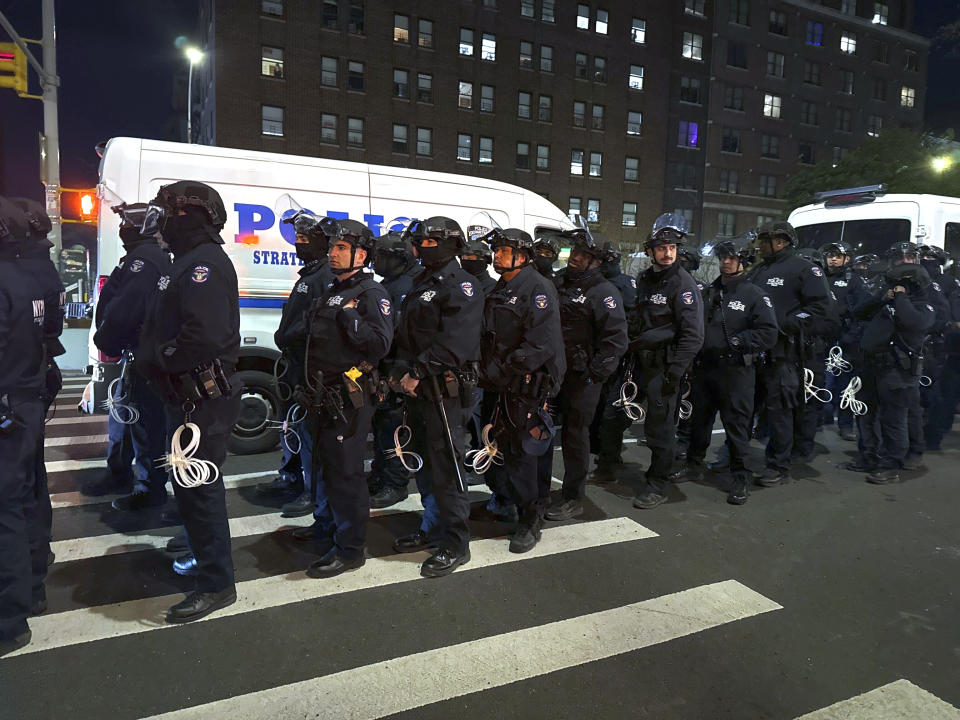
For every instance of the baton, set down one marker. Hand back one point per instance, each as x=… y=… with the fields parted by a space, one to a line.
x=446 y=427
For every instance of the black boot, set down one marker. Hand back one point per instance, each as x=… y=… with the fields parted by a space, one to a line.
x=527 y=534
x=738 y=490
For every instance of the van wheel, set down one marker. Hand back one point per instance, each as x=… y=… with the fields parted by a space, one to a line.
x=261 y=406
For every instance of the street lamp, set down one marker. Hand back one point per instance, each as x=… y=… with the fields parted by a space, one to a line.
x=941 y=163
x=194 y=55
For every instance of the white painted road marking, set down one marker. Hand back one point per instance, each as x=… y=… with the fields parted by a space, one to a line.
x=76 y=440
x=412 y=681
x=138 y=616
x=900 y=700
x=78 y=420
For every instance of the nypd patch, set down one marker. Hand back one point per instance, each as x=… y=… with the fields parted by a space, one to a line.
x=385 y=306
x=687 y=298
x=816 y=271
x=428 y=295
x=302 y=288
x=467 y=288
x=335 y=301
x=610 y=302
x=163 y=282
x=136 y=266
x=541 y=301
x=200 y=274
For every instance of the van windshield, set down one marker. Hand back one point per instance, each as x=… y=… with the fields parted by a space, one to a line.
x=865 y=236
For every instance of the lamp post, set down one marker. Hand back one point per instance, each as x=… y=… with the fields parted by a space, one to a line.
x=194 y=56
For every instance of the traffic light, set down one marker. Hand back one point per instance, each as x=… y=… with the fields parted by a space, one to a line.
x=79 y=205
x=13 y=68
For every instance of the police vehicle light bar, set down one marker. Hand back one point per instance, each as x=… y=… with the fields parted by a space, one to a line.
x=851 y=196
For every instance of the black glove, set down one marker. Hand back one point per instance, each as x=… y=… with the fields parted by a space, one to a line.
x=602 y=367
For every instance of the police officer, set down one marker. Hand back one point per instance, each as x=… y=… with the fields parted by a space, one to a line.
x=438 y=344
x=933 y=259
x=941 y=412
x=24 y=534
x=523 y=362
x=546 y=250
x=740 y=325
x=610 y=269
x=476 y=259
x=594 y=330
x=350 y=331
x=837 y=257
x=800 y=297
x=117 y=336
x=896 y=317
x=188 y=350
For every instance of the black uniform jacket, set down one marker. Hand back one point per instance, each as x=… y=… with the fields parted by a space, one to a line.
x=594 y=324
x=291 y=335
x=23 y=359
x=626 y=285
x=668 y=315
x=901 y=322
x=739 y=318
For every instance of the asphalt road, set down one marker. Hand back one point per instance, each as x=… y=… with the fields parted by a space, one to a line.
x=827 y=590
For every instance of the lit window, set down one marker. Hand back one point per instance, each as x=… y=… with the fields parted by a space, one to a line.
x=355 y=79
x=545 y=109
x=271 y=62
x=573 y=208
x=726 y=223
x=548 y=11
x=770 y=146
x=576 y=162
x=583 y=17
x=400 y=142
x=401 y=29
x=466 y=41
x=689 y=134
x=486 y=98
x=464 y=147
x=527 y=9
x=328 y=15
x=694 y=7
x=740 y=12
x=730 y=140
x=848 y=43
x=593 y=211
x=768 y=185
x=881 y=12
x=543 y=157
x=874 y=125
x=805 y=153
x=771 y=105
x=638 y=31
x=729 y=181
x=597 y=117
x=273 y=8
x=629 y=215
x=634 y=122
x=328 y=71
x=636 y=77
x=401 y=83
x=488 y=47
x=631 y=169
x=425 y=34
x=424 y=88
x=908 y=97
x=692 y=46
x=485 y=155
x=523 y=156
x=355 y=132
x=579 y=114
x=424 y=141
x=601 y=24
x=596 y=164
x=356 y=23
x=526 y=55
x=580 y=66
x=600 y=69
x=814 y=33
x=465 y=99
x=328 y=128
x=271 y=120
x=775 y=63
x=690 y=90
x=523 y=105
x=546 y=58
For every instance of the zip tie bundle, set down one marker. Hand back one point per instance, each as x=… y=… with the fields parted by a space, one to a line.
x=812 y=392
x=289 y=435
x=489 y=455
x=836 y=364
x=848 y=398
x=633 y=410
x=925 y=381
x=686 y=407
x=409 y=459
x=284 y=391
x=120 y=411
x=188 y=472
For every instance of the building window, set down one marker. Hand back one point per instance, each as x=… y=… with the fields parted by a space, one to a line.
x=526 y=55
x=764 y=219
x=846 y=82
x=424 y=88
x=580 y=66
x=690 y=90
x=694 y=7
x=355 y=132
x=729 y=181
x=425 y=34
x=401 y=83
x=579 y=114
x=730 y=140
x=688 y=135
x=839 y=153
x=593 y=211
x=523 y=156
x=772 y=105
x=355 y=75
x=486 y=98
x=638 y=31
x=686 y=176
x=848 y=7
x=328 y=128
x=523 y=105
x=527 y=9
x=910 y=60
x=596 y=164
x=490 y=4
x=733 y=98
x=811 y=73
x=356 y=23
x=634 y=123
x=692 y=46
x=687 y=215
x=768 y=185
x=328 y=15
x=848 y=43
x=805 y=153
x=273 y=8
x=880 y=89
x=636 y=77
x=843 y=120
x=271 y=62
x=485 y=155
x=908 y=97
x=599 y=69
x=328 y=71
x=629 y=218
x=400 y=143
x=466 y=42
x=881 y=52
x=548 y=11
x=600 y=26
x=597 y=117
x=778 y=23
x=583 y=17
x=488 y=47
x=775 y=63
x=465 y=98
x=576 y=162
x=543 y=158
x=726 y=223
x=881 y=12
x=814 y=33
x=464 y=147
x=770 y=146
x=573 y=208
x=740 y=12
x=808 y=113
x=736 y=55
x=424 y=141
x=546 y=58
x=631 y=169
x=544 y=108
x=271 y=120
x=874 y=125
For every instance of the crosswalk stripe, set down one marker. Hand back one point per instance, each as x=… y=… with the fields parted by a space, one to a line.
x=409 y=682
x=138 y=616
x=894 y=701
x=69 y=396
x=76 y=440
x=78 y=420
x=55 y=466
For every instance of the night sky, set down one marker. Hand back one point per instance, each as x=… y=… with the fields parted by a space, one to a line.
x=117 y=61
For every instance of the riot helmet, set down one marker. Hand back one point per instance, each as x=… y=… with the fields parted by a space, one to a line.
x=37 y=220
x=689 y=258
x=836 y=256
x=903 y=253
x=811 y=254
x=610 y=266
x=393 y=255
x=933 y=259
x=521 y=243
x=546 y=250
x=204 y=215
x=912 y=276
x=481 y=257
x=358 y=236
x=132 y=217
x=730 y=249
x=317 y=232
x=444 y=231
x=14 y=224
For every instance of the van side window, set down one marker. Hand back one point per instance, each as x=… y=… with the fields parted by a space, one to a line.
x=951 y=238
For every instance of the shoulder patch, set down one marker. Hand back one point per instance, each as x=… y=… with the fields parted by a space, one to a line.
x=816 y=271
x=633 y=281
x=467 y=288
x=200 y=274
x=687 y=298
x=163 y=282
x=610 y=302
x=136 y=265
x=385 y=306
x=767 y=301
x=541 y=301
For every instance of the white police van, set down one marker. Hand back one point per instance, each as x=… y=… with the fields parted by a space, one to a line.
x=870 y=220
x=261 y=248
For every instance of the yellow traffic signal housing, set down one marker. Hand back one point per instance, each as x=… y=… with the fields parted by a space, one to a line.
x=13 y=68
